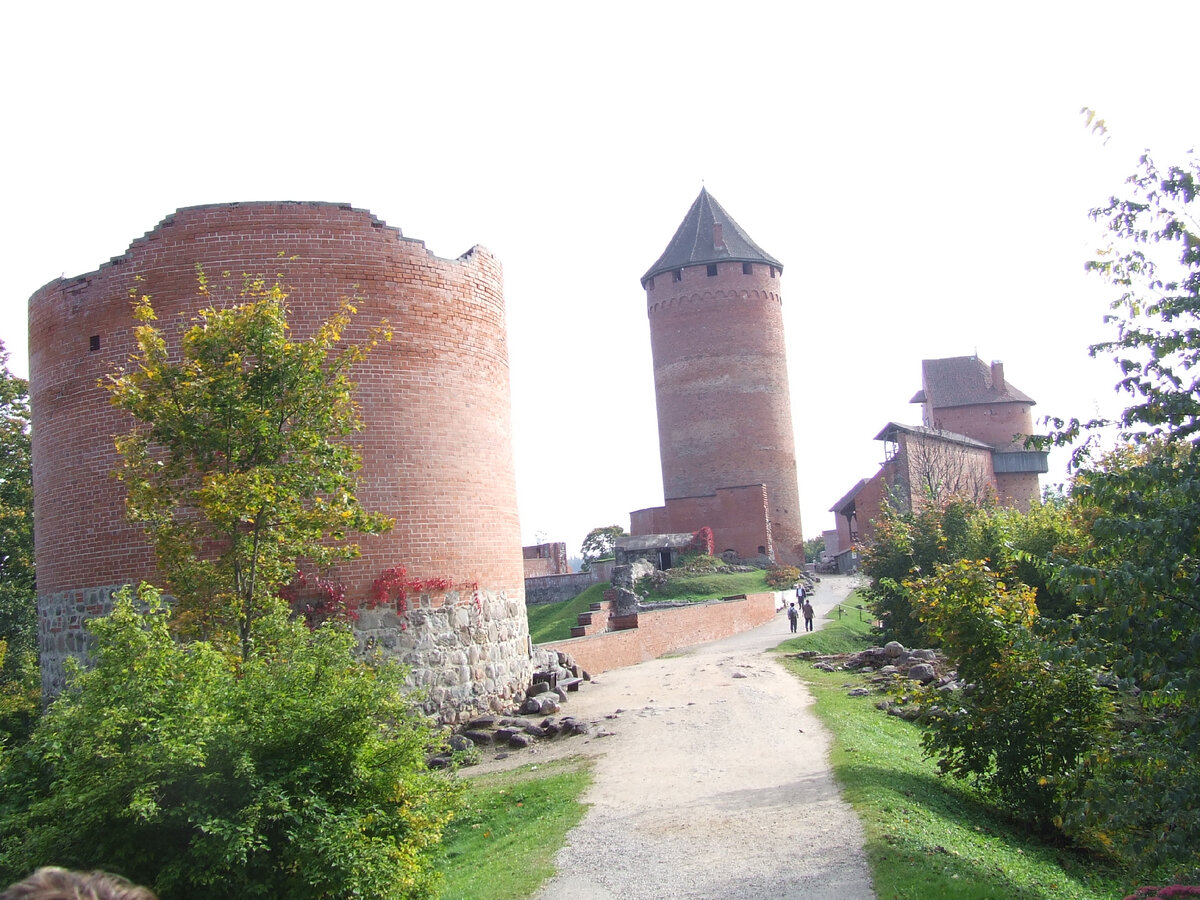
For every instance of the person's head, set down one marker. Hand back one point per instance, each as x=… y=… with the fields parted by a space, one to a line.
x=52 y=883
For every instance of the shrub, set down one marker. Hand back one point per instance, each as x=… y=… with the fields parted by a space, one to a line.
x=782 y=577
x=299 y=772
x=1024 y=721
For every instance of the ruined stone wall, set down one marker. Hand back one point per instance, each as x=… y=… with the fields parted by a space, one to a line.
x=436 y=444
x=721 y=384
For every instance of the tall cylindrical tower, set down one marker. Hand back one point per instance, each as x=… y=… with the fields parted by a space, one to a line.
x=436 y=443
x=720 y=370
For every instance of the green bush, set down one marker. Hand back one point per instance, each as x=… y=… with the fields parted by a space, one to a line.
x=297 y=773
x=782 y=577
x=1024 y=722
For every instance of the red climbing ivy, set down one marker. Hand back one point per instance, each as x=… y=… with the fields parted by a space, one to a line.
x=702 y=541
x=318 y=600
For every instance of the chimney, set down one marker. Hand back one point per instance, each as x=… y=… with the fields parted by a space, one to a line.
x=718 y=238
x=998 y=376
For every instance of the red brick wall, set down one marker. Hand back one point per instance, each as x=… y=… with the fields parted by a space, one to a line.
x=720 y=377
x=435 y=401
x=665 y=631
x=736 y=515
x=992 y=423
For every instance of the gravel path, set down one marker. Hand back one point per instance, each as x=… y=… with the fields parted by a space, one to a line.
x=714 y=782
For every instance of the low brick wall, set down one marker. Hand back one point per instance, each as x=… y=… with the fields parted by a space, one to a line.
x=664 y=631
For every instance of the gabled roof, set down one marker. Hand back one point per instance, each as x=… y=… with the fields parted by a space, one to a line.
x=964 y=381
x=694 y=243
x=892 y=428
x=849 y=497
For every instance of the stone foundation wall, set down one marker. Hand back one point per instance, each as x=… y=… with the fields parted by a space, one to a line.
x=467 y=651
x=61 y=632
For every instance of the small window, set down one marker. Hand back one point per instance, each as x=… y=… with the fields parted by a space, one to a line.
x=772 y=271
x=93 y=343
x=747 y=269
x=762 y=551
x=712 y=269
x=677 y=275
x=650 y=284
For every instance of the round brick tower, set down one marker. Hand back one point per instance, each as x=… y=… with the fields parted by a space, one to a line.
x=720 y=379
x=436 y=446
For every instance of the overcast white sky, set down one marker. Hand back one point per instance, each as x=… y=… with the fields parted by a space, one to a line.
x=921 y=170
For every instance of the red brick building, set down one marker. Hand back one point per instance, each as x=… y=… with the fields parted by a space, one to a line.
x=970 y=444
x=720 y=378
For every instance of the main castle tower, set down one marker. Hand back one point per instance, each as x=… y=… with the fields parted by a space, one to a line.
x=720 y=378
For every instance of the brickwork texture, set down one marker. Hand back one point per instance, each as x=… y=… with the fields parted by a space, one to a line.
x=721 y=383
x=436 y=446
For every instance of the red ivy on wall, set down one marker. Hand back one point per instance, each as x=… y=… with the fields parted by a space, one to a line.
x=702 y=541
x=319 y=600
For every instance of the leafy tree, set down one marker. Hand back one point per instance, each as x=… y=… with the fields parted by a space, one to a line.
x=1140 y=577
x=601 y=543
x=814 y=547
x=299 y=772
x=239 y=465
x=907 y=545
x=20 y=686
x=1024 y=722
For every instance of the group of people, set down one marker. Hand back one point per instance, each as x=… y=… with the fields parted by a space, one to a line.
x=805 y=608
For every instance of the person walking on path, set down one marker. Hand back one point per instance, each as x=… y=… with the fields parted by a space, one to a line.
x=809 y=615
x=793 y=616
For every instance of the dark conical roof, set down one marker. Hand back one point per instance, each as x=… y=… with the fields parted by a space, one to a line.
x=696 y=240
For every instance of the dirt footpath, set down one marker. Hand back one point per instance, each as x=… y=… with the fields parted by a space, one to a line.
x=714 y=782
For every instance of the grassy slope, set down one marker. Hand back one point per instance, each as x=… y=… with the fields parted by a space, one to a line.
x=502 y=845
x=929 y=836
x=553 y=621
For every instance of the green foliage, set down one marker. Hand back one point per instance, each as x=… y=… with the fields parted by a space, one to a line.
x=601 y=542
x=1141 y=798
x=908 y=544
x=239 y=465
x=1025 y=721
x=1138 y=580
x=511 y=827
x=781 y=578
x=1030 y=547
x=813 y=548
x=20 y=683
x=297 y=773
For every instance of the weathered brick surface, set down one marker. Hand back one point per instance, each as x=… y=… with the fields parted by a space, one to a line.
x=992 y=423
x=738 y=516
x=437 y=448
x=665 y=631
x=721 y=383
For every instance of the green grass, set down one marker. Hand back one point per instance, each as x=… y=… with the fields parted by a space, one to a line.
x=926 y=835
x=710 y=586
x=501 y=846
x=553 y=621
